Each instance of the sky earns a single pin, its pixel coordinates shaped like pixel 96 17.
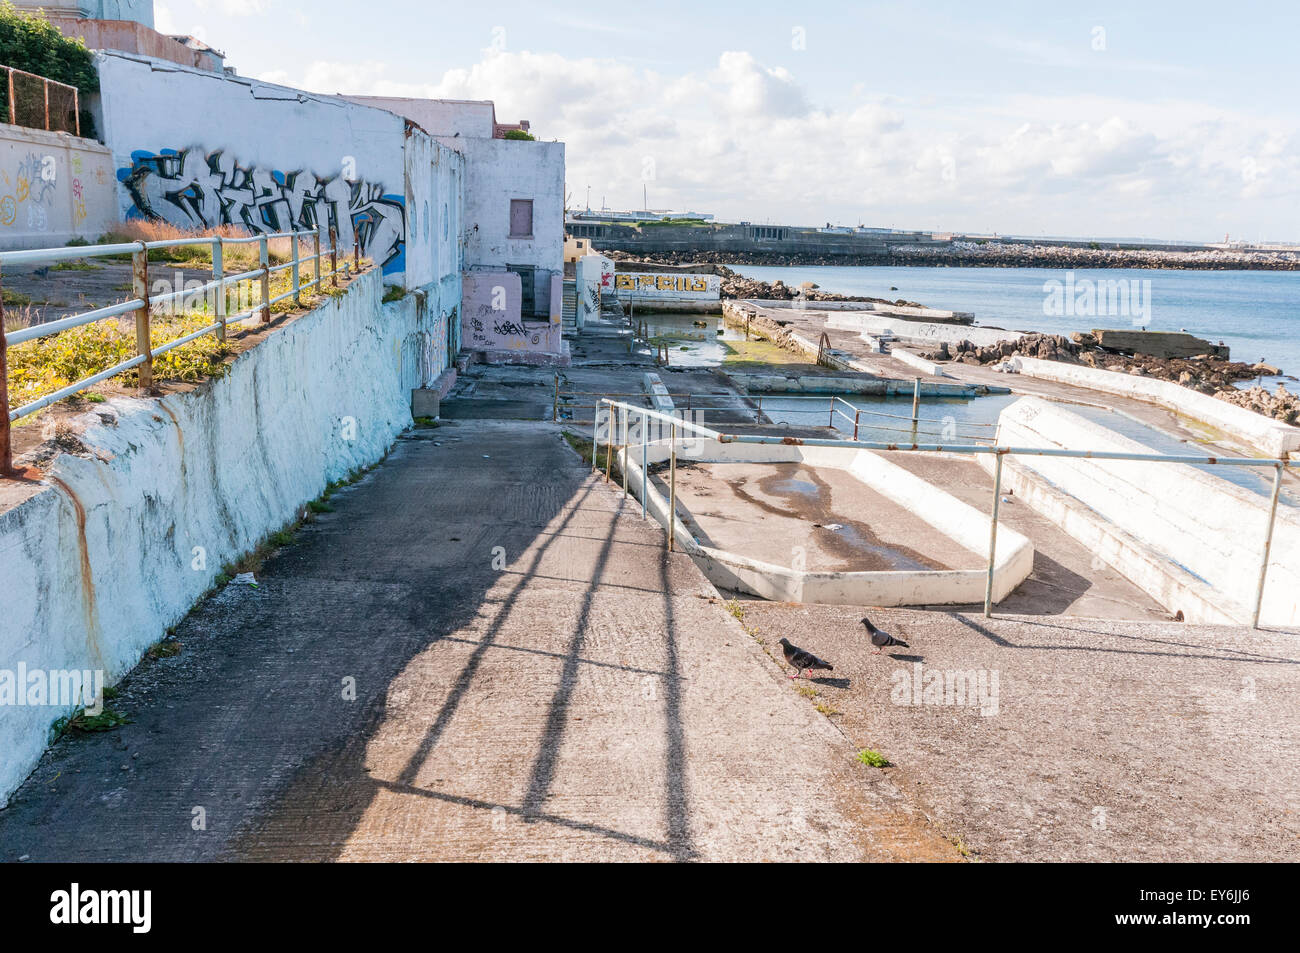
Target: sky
pixel 1147 119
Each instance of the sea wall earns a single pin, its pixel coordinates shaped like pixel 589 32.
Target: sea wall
pixel 1271 436
pixel 122 538
pixel 1197 523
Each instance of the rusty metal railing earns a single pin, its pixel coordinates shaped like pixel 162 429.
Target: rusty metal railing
pixel 42 107
pixel 142 305
pixel 677 426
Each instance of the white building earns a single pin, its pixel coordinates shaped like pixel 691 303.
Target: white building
pixel 514 220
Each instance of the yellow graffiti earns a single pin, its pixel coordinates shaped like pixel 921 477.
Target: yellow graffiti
pixel 79 211
pixel 661 282
pixel 8 210
pixel 24 187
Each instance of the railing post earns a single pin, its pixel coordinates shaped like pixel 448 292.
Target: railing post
pixel 356 250
pixel 47 105
pixel 644 468
pixel 13 102
pixel 993 536
pixel 624 446
pixel 857 415
pixel 334 257
pixel 264 257
pixel 555 407
pixel 609 442
pixel 219 275
pixel 297 275
pixel 140 288
pixel 76 108
pixel 831 422
pixel 916 407
pixel 595 436
pixel 672 484
pixel 316 239
pixel 1268 546
pixel 6 447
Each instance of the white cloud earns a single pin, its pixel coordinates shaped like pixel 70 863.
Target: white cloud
pixel 743 140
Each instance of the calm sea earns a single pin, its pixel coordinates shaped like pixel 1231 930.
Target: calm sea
pixel 1256 313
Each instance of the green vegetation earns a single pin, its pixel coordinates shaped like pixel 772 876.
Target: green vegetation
pixel 29 42
pixel 520 135
pixel 167 648
pixel 689 222
pixel 15 299
pixel 394 293
pixel 873 759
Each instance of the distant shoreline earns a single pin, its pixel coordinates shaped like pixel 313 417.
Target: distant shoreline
pixel 990 255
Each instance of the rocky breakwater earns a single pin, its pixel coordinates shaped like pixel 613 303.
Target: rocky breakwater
pixel 1204 373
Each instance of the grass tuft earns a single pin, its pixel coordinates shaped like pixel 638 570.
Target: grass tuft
pixel 873 759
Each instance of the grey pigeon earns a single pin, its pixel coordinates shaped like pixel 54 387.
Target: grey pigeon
pixel 802 660
pixel 882 639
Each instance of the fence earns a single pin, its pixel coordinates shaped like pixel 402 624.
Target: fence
pixel 853 415
pixel 142 305
pixel 614 427
pixel 39 103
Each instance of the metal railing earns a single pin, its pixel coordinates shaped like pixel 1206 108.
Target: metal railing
pixel 41 107
pixel 677 424
pixel 142 305
pixel 854 415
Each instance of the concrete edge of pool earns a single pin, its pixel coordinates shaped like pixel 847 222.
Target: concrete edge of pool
pixel 956 520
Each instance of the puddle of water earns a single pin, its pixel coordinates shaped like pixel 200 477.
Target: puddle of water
pixel 693 339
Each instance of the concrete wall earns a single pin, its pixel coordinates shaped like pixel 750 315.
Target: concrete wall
pixel 470 119
pixel 107 555
pixel 127 36
pixel 138 11
pixel 53 188
pixel 491 320
pixel 966 526
pixel 200 149
pixel 498 170
pixel 920 333
pixel 1211 528
pixel 1271 436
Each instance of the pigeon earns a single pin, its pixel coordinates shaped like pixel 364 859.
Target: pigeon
pixel 802 660
pixel 882 639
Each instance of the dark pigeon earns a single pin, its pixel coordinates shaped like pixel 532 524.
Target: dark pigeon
pixel 802 660
pixel 882 639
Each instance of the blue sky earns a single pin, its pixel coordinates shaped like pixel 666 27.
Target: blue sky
pixel 1108 119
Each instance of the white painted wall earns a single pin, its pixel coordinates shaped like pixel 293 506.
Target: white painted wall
pixel 53 188
pixel 1199 521
pixel 498 170
pixel 1271 436
pixel 473 119
pixel 149 106
pixel 218 467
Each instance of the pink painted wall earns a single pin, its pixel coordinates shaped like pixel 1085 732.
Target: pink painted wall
pixel 490 315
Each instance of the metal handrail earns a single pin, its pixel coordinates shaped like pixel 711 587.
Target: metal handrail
pixel 323 242
pixel 999 453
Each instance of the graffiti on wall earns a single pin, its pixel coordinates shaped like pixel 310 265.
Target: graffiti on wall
pixel 201 190
pixel 31 191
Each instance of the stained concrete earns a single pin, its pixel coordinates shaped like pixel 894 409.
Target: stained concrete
pixel 579 694
pixel 826 516
pixel 1112 741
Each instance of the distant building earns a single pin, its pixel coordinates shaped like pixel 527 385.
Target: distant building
pixel 125 26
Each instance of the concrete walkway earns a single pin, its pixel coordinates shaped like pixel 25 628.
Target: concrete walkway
pixel 535 679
